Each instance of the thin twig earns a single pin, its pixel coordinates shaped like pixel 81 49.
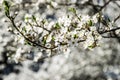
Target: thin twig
pixel 105 5
pixel 41 27
pixel 117 4
pixel 117 18
pixel 109 30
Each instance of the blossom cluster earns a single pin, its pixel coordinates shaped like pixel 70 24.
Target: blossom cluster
pixel 53 37
pixel 58 36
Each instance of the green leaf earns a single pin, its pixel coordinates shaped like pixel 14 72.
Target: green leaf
pixel 93 45
pixel 72 10
pixel 53 38
pixel 6 7
pixel 6 4
pixel 26 18
pixel 33 17
pixel 24 29
pixel 43 21
pixel 90 23
pixel 44 40
pixel 75 36
pixel 57 26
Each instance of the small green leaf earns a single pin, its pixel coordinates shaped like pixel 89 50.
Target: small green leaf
pixel 90 23
pixel 24 29
pixel 33 17
pixel 6 4
pixel 43 21
pixel 75 36
pixel 44 40
pixel 93 45
pixel 72 10
pixel 27 18
pixel 6 7
pixel 57 26
pixel 53 38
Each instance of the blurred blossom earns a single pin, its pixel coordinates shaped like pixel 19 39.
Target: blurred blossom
pixel 85 18
pixel 18 1
pixel 95 19
pixel 54 4
pixel 22 40
pixel 64 20
pixel 83 1
pixel 18 55
pixel 118 31
pixel 1 1
pixel 37 56
pixel 89 41
pixel 73 1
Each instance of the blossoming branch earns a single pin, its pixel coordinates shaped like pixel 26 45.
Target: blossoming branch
pixel 59 36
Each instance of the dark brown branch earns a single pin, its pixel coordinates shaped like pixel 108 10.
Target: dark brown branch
pixel 109 30
pixel 110 37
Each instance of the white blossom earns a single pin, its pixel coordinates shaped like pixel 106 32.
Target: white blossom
pixel 67 52
pixel 37 56
pixel 49 38
pixel 18 1
pixel 54 4
pixel 81 33
pixel 22 40
pixel 89 41
pixel 18 55
pixel 50 25
pixel 27 18
pixel 95 19
pixel 85 18
pixel 117 31
pixel 64 20
pixel 1 1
